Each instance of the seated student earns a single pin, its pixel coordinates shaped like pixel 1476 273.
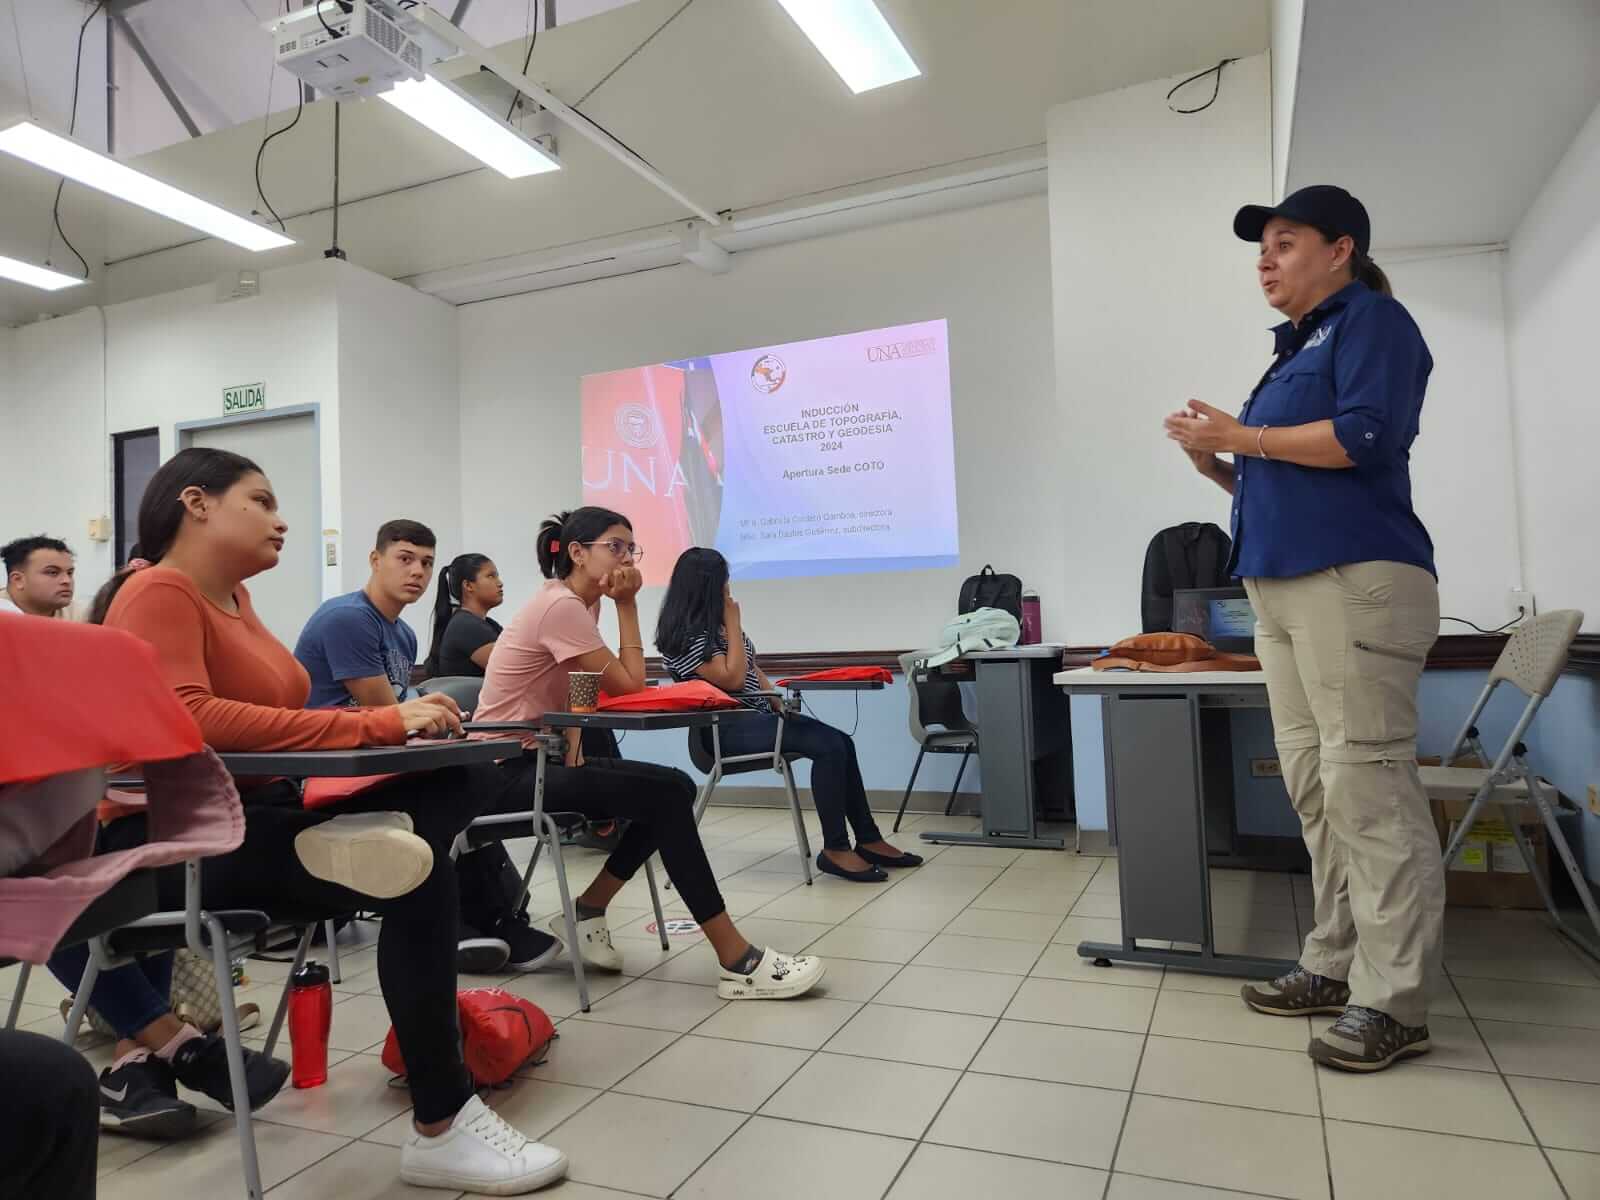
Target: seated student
pixel 586 555
pixel 700 634
pixel 208 522
pixel 48 1143
pixel 463 631
pixel 39 577
pixel 359 651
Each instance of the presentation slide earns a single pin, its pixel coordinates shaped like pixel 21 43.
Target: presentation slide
pixel 810 458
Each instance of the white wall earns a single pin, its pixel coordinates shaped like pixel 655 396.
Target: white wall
pixel 984 269
pixel 1288 20
pixel 400 422
pixel 1155 302
pixel 1551 266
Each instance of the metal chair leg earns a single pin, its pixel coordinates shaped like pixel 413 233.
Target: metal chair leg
pixel 569 911
pixel 331 936
pixel 956 786
pixel 655 903
pixel 16 996
pixel 80 999
pixel 218 951
pixel 910 783
pixel 302 948
pixel 800 839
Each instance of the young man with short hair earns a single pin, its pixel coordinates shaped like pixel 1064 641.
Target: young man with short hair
pixel 358 651
pixel 39 577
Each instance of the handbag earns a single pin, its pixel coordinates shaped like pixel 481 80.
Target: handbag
pixel 500 1031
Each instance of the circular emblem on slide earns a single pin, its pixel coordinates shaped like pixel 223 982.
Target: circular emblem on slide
pixel 636 425
pixel 768 374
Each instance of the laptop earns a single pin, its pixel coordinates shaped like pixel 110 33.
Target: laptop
pixel 1222 616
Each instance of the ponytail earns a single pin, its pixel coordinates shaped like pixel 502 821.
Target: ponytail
pixel 161 509
pixel 1370 273
pixel 560 530
pixel 463 569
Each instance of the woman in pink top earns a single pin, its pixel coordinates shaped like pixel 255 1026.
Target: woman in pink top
pixel 586 555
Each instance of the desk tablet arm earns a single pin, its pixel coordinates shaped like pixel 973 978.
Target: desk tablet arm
pixel 553 743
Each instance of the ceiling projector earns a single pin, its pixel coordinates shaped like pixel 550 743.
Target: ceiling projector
pixel 362 50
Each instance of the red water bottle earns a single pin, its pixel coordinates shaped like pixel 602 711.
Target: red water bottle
pixel 310 1022
pixel 1032 632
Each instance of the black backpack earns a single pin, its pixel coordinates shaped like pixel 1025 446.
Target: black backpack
pixel 988 590
pixel 1190 555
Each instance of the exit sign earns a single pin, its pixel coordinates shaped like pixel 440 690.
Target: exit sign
pixel 246 397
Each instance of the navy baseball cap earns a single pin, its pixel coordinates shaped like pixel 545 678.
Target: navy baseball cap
pixel 1332 210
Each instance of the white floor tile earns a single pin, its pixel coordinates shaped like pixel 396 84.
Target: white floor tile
pixel 1371 1161
pixel 948 1173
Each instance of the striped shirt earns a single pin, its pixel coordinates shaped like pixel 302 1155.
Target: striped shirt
pixel 701 650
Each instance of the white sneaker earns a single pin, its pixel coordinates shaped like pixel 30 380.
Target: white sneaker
pixel 776 977
pixel 480 1153
pixel 375 854
pixel 594 942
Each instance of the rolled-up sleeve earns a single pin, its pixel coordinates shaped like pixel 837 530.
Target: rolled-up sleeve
pixel 1380 369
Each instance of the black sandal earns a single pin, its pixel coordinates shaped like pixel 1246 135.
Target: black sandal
pixel 828 867
pixel 883 860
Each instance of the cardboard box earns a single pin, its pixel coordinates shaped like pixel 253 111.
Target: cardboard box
pixel 1488 872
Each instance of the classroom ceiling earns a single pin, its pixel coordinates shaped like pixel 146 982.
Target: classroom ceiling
pixel 1445 116
pixel 726 97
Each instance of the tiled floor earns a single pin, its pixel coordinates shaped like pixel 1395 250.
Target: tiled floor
pixel 959 1048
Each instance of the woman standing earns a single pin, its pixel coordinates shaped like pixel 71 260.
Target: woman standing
pixel 1340 573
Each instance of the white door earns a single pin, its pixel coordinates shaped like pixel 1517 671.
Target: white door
pixel 286 449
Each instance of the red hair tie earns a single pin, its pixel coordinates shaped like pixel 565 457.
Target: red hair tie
pixel 555 546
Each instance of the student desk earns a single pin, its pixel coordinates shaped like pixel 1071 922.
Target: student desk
pixel 421 754
pixel 1024 748
pixel 1164 778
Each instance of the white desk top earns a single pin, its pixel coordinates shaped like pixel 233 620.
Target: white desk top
pixel 1038 650
pixel 1088 679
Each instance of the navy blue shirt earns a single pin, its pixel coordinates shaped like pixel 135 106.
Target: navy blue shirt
pixel 1359 361
pixel 348 638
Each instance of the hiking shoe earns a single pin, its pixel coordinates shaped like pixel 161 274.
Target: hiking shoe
pixel 1364 1039
pixel 1297 994
pixel 376 854
pixel 478 952
pixel 479 1153
pixel 776 977
pixel 530 948
pixel 594 942
pixel 202 1064
pixel 139 1098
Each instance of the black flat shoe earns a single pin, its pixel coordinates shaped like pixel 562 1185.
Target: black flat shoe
pixel 828 867
pixel 883 860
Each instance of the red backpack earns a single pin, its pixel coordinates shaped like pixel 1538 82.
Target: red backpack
pixel 499 1032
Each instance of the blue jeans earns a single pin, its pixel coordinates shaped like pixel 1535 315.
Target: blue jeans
pixel 836 785
pixel 130 997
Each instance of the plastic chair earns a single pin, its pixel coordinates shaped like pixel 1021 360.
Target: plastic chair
pixel 1531 662
pixel 463 689
pixel 935 702
pixel 705 751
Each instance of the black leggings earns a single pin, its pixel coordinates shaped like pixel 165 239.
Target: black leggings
pixel 657 802
pixel 49 1119
pixel 417 937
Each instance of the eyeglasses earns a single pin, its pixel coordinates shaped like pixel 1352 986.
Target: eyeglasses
pixel 620 548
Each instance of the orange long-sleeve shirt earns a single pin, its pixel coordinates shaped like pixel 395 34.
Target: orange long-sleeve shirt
pixel 243 686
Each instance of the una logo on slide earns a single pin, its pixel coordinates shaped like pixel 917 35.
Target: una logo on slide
pixel 636 425
pixel 768 374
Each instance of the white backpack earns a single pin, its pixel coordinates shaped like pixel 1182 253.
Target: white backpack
pixel 980 629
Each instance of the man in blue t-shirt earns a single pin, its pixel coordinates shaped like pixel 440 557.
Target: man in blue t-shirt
pixel 356 648
pixel 358 651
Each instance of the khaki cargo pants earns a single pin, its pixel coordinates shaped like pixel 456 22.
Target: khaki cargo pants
pixel 1343 651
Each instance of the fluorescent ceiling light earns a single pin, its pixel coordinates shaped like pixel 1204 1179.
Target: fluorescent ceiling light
pixel 39 277
pixel 855 39
pixel 63 157
pixel 480 133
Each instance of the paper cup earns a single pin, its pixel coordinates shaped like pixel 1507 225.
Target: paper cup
pixel 583 691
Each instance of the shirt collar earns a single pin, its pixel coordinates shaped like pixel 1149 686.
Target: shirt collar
pixel 1288 337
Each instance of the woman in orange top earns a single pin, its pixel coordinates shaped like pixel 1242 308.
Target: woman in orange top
pixel 209 521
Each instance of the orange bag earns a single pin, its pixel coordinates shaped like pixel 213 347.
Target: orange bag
pixel 694 696
pixel 842 675
pixel 499 1032
pixel 323 790
pixel 1175 652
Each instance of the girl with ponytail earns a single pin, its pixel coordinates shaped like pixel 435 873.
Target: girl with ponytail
pixel 463 631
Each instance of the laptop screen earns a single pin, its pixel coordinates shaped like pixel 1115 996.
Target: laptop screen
pixel 1222 616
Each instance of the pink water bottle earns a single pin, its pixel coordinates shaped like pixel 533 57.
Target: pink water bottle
pixel 1031 625
pixel 310 1023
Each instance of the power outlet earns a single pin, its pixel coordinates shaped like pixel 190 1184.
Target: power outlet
pixel 1594 799
pixel 1520 602
pixel 1270 768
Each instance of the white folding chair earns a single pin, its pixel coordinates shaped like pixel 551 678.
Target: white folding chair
pixel 1531 662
